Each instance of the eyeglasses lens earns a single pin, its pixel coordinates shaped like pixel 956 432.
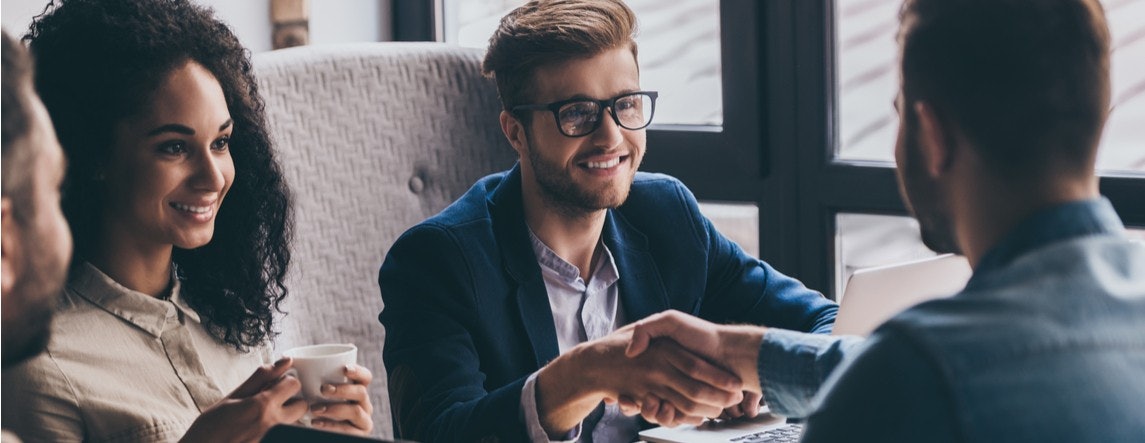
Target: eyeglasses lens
pixel 579 118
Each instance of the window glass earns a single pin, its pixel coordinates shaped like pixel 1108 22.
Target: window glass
pixel 867 76
pixel 679 51
pixel 736 221
pixel 1123 144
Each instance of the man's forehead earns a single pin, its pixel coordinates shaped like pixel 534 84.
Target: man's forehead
pixel 600 76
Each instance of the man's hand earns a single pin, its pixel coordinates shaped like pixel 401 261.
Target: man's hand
pixel 352 416
pixel 656 410
pixel 573 384
pixel 262 401
pixel 733 347
pixel 749 407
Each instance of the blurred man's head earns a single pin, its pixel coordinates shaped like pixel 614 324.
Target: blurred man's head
pixel 1022 84
pixel 37 244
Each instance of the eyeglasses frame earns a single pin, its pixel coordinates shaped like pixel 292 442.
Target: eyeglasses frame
pixel 555 108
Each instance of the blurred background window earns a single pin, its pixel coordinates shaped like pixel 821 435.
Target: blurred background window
pixel 867 79
pixel 679 51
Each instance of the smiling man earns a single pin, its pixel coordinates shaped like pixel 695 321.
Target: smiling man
pixel 504 312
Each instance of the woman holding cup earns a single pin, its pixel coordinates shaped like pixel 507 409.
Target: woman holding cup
pixel 181 220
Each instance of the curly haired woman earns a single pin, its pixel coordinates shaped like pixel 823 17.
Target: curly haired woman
pixel 182 223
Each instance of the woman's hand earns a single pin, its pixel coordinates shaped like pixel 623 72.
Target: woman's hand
pixel 262 401
pixel 352 416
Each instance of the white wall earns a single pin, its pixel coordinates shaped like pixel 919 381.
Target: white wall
pixel 341 21
pixel 16 15
pixel 331 21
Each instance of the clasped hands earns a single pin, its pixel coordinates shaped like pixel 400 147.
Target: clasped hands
pixel 268 398
pixel 716 364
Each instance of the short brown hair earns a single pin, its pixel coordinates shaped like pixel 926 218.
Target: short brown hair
pixel 1026 81
pixel 17 102
pixel 543 32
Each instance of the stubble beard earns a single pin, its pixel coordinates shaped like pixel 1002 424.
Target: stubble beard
pixel 561 193
pixel 924 199
pixel 38 290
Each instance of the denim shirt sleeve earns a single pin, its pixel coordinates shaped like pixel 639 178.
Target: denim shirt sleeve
pixel 794 365
pixel 888 391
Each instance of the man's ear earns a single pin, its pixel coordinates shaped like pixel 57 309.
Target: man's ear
pixel 9 249
pixel 514 130
pixel 938 149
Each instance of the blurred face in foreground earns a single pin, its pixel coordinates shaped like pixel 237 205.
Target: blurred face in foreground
pixel 37 247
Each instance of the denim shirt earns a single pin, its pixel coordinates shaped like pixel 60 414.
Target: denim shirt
pixel 1045 343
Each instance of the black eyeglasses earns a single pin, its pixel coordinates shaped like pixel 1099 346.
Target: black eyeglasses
pixel 578 117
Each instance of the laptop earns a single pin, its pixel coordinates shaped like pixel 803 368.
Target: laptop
pixel 765 427
pixel 874 295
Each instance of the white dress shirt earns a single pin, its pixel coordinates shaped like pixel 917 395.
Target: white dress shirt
pixel 582 311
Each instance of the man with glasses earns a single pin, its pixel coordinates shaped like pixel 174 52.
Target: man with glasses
pixel 502 312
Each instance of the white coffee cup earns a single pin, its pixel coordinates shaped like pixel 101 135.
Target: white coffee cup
pixel 316 365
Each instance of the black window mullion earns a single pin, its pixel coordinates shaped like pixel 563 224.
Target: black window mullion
pixel 415 21
pixel 779 227
pixel 721 162
pixel 815 86
pixel 1127 193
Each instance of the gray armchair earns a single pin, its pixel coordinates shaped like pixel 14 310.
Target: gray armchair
pixel 374 138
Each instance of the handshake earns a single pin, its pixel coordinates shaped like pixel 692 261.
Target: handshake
pixel 671 368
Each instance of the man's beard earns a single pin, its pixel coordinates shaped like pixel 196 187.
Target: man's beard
pixel 27 333
pixel 923 197
pixel 563 194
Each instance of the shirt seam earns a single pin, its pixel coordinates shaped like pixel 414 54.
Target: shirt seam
pixel 75 398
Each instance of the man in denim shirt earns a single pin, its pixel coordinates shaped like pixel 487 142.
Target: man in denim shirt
pixel 1001 110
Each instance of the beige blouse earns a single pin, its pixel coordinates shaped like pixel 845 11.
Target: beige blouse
pixel 121 367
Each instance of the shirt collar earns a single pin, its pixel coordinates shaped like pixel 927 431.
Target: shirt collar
pixel 146 312
pixel 605 269
pixel 1057 223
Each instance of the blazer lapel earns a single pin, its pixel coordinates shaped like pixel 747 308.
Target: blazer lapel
pixel 521 265
pixel 641 289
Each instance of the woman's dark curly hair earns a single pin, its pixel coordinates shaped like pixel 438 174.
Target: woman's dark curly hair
pixel 100 61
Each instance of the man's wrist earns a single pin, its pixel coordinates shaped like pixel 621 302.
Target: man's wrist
pixel 740 350
pixel 565 388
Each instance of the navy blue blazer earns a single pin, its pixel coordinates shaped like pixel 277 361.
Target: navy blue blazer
pixel 467 316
